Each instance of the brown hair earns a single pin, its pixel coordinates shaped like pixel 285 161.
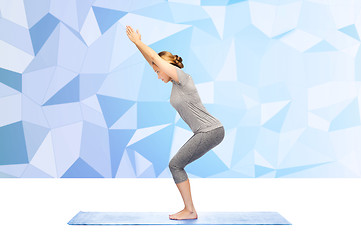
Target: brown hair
pixel 172 59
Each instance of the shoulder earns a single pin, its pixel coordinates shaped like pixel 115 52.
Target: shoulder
pixel 182 77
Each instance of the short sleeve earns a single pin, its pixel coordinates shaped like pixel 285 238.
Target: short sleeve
pixel 182 77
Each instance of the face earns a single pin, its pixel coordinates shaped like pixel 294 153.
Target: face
pixel 161 75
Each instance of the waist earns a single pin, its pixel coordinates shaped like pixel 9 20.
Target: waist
pixel 210 128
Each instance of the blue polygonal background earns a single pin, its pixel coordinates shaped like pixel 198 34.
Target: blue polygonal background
pixel 77 98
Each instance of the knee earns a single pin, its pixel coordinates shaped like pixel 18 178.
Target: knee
pixel 173 165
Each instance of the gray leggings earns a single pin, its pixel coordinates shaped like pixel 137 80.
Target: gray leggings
pixel 198 145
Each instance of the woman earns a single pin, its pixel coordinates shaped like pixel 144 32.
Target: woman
pixel 208 131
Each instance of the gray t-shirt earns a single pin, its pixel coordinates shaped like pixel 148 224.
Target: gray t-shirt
pixel 185 99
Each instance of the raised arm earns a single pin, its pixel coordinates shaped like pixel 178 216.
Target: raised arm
pixel 133 37
pixel 150 55
pixel 145 56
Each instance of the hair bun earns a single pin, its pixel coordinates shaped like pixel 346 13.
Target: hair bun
pixel 179 59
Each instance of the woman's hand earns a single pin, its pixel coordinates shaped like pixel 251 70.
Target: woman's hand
pixel 132 35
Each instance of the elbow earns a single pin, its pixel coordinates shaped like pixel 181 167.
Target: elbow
pixel 153 57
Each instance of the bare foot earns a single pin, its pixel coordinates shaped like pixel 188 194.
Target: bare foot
pixel 175 214
pixel 185 214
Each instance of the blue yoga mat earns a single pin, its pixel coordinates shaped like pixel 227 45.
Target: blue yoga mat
pixel 162 218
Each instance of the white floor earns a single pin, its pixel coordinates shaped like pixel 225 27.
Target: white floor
pixel 317 208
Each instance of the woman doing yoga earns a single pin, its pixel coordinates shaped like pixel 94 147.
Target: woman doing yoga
pixel 207 130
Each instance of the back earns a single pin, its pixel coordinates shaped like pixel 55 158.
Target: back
pixel 186 101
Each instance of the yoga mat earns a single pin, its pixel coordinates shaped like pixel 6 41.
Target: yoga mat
pixel 162 218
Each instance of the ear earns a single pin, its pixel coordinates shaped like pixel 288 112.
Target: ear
pixel 166 67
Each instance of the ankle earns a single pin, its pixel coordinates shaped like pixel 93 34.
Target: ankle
pixel 190 209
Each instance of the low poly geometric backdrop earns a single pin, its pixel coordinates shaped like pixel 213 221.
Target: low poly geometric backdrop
pixel 78 100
